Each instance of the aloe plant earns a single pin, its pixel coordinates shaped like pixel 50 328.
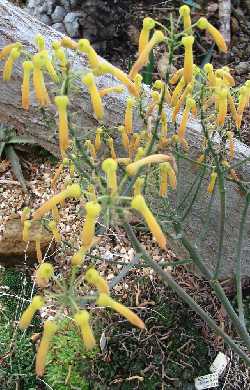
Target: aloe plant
pixel 9 142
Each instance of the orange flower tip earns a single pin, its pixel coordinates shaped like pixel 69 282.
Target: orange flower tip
pixel 68 43
pixel 202 23
pixel 62 102
pixel 93 209
pixel 109 165
pixel 184 10
pixel 73 191
pixel 40 41
pixel 45 271
pixel 187 41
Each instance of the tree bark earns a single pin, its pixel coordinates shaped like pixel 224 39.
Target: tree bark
pixel 16 25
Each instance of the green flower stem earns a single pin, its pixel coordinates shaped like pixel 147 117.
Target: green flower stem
pixel 170 282
pixel 238 262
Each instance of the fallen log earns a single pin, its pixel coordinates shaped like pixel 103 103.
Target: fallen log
pixel 16 25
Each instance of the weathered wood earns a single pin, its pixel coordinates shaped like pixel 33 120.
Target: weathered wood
pixel 16 25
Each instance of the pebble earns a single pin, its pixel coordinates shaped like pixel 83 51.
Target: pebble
pixel 242 68
pixel 72 24
pixel 58 14
pixel 59 27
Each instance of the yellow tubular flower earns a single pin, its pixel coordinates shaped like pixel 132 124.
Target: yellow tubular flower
pixel 227 77
pixel 98 141
pixel 124 136
pixel 93 210
pixel 51 70
pixel 142 60
pixel 8 66
pixel 84 46
pixel 156 98
pixel 61 57
pixel 43 274
pixel 187 91
pixel 176 76
pixel 112 148
pixel 138 203
pixel 26 318
pixel 188 58
pixel 203 24
pixel 177 91
pixel 109 166
pixel 243 101
pixel 55 214
pixel 138 82
pixel 91 148
pixel 128 121
pixel 138 186
pixel 40 42
pixel 82 319
pixel 232 107
pixel 26 230
pixel 72 191
pixel 39 254
pixel 163 180
pixel 222 106
pixel 78 257
pixel 27 69
pixel 7 49
pixel 105 67
pixel 148 25
pixel 96 100
pixel 230 137
pixel 135 142
pixel 68 43
pixel 52 227
pixel 212 182
pixel 182 128
pixel 38 80
pixel 139 154
pixel 49 330
pixel 25 214
pixel 62 104
pixel 93 277
pixel 106 91
pixel 105 300
pixel 184 12
pixel 133 168
pixel 208 69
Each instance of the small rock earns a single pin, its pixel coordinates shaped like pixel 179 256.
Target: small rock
pixel 45 19
pixel 59 14
pixel 59 27
pixel 242 68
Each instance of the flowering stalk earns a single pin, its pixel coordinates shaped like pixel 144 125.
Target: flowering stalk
pixel 167 172
pixel 49 330
pixel 109 166
pixel 26 318
pixel 72 191
pixel 105 300
pixel 188 58
pixel 148 25
pixel 138 203
pixel 93 210
pixel 82 319
pixel 93 277
pixel 128 121
pixel 84 46
pixel 96 100
pixel 187 91
pixel 203 24
pixel 43 274
pixel 177 91
pixel 27 69
pixel 8 66
pixel 142 60
pixel 133 168
pixel 62 104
